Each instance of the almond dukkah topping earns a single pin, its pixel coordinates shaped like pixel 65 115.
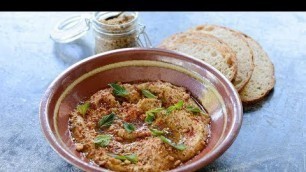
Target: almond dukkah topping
pixel 127 125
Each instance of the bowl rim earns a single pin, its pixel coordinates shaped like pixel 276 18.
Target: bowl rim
pixel 209 158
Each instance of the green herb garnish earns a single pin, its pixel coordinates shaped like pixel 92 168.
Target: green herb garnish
pixel 180 146
pixel 82 109
pixel 149 118
pixel 102 140
pixel 118 90
pixel 107 120
pixel 156 110
pixel 148 94
pixel 156 132
pixel 132 157
pixel 129 127
pixel 151 115
pixel 176 106
pixel 168 141
pixel 193 109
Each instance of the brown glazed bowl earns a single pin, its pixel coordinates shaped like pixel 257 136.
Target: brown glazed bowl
pixel 86 77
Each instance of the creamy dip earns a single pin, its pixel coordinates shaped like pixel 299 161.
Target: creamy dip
pixel 149 126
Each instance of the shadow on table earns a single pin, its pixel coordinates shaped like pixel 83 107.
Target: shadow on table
pixel 72 52
pixel 258 105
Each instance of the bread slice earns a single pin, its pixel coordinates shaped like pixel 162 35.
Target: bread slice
pixel 214 54
pixel 262 80
pixel 170 42
pixel 194 35
pixel 238 43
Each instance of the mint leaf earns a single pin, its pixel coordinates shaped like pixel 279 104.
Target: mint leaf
pixel 179 104
pixel 107 120
pixel 180 147
pixel 170 109
pixel 156 132
pixel 102 140
pixel 82 109
pixel 151 115
pixel 156 110
pixel 148 94
pixel 118 90
pixel 129 127
pixel 132 157
pixel 193 109
pixel 176 106
pixel 169 142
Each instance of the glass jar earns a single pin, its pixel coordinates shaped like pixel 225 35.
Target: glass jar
pixel 121 32
pixel 108 35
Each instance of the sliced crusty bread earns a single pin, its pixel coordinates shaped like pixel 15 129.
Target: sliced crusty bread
pixel 262 80
pixel 214 54
pixel 238 43
pixel 194 35
pixel 171 41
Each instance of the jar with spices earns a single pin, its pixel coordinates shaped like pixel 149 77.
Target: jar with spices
pixel 111 30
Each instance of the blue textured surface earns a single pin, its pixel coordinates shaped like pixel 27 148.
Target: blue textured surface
pixel 272 138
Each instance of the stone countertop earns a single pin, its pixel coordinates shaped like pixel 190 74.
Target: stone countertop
pixel 272 137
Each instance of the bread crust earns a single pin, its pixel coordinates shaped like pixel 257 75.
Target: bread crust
pixel 244 62
pixel 247 99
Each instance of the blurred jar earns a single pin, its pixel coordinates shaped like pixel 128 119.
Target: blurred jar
pixel 111 30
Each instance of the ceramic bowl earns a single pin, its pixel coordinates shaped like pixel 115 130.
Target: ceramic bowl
pixel 86 77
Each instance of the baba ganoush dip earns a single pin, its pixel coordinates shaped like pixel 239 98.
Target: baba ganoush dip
pixel 149 126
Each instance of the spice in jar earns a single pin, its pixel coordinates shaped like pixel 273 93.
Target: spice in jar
pixel 117 20
pixel 116 32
